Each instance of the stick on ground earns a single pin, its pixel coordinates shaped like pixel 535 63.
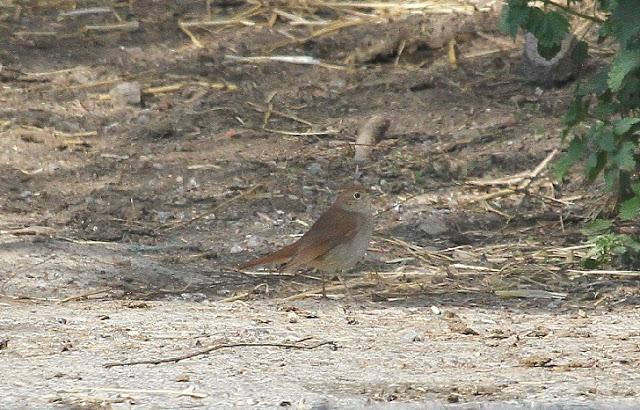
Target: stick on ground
pixel 221 346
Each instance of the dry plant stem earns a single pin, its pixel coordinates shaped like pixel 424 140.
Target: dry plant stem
pixel 213 348
pixel 294 133
pixel 128 26
pixel 522 184
pixel 574 12
pixel 261 109
pixel 185 392
pixel 82 295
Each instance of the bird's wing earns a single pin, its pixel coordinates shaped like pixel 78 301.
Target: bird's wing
pixel 334 227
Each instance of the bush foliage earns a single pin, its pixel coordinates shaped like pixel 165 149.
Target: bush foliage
pixel 608 104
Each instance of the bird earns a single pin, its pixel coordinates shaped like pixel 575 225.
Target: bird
pixel 335 243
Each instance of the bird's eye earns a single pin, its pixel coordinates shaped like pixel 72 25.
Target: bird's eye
pixel 356 195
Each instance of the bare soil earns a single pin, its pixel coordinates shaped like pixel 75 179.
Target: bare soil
pixel 120 225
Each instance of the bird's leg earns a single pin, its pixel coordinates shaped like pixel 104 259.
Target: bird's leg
pixel 346 288
pixel 324 289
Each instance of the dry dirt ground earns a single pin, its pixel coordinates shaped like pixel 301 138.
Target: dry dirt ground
pixel 120 224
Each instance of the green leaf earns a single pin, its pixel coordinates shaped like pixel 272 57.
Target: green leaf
pixel 622 126
pixel 514 15
pixel 629 93
pixel 596 227
pixel 611 175
pixel 604 109
pixel 576 112
pixel 580 52
pixel 625 158
pixel 574 153
pixel 595 164
pixel 630 243
pixel 624 62
pixel 549 28
pixel 629 209
pixel 603 136
pixel 605 31
pixel 590 263
pixel 625 21
pixel 598 83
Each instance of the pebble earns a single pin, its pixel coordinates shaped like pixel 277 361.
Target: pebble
pixel 411 335
pixel 254 241
pixel 127 93
pixel 314 168
pixel 433 225
pixel 292 317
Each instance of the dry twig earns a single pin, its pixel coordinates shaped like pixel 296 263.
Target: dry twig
pixel 213 348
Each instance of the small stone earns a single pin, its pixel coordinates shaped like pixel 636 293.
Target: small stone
pixel 453 398
pixel 254 241
pixel 194 297
pixel 292 317
pixel 314 168
pixel 192 184
pixel 412 335
pixel 436 310
pixel 236 249
pixel 182 378
pixel 163 216
pixel 433 225
pixel 127 93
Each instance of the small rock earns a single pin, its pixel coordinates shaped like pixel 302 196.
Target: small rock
pixel 292 317
pixel 182 378
pixel 127 93
pixel 314 168
pixel 164 216
pixel 433 225
pixel 254 241
pixel 192 184
pixel 436 310
pixel 535 361
pixel 412 336
pixel 194 297
pixel 236 249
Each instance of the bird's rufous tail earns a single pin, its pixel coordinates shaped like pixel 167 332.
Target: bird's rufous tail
pixel 279 256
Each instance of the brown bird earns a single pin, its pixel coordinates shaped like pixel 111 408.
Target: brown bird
pixel 335 242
